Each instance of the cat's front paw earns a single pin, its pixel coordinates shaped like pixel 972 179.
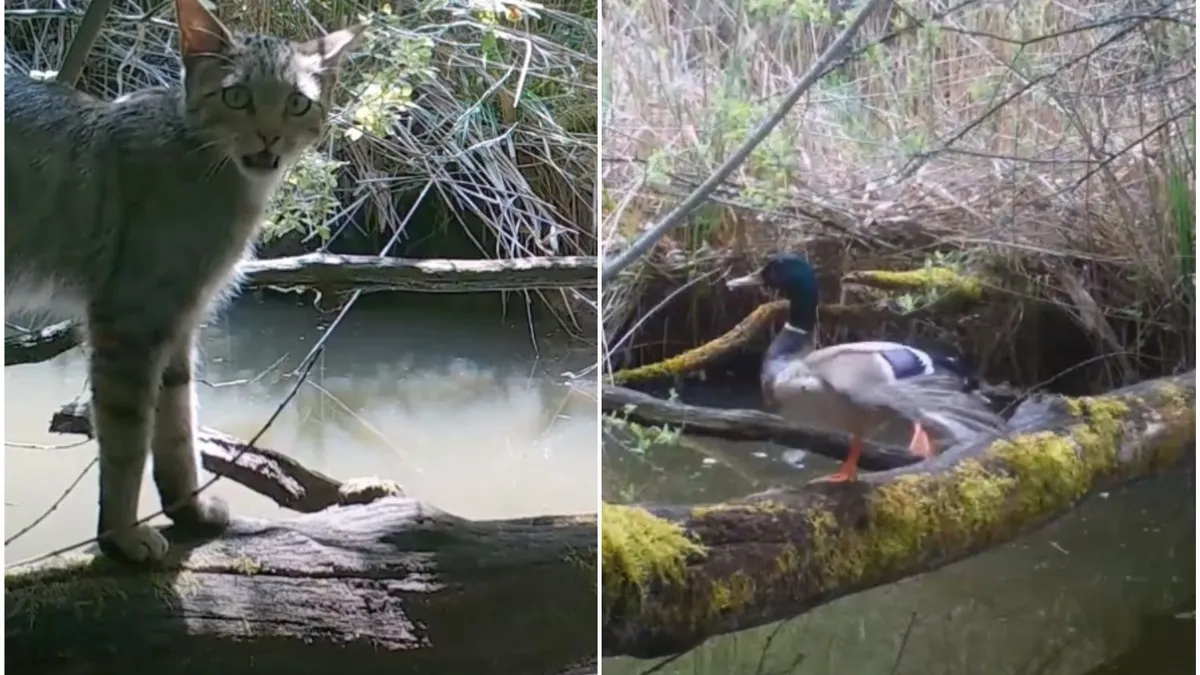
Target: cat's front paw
pixel 137 544
pixel 202 514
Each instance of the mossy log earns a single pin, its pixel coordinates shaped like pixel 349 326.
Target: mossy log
pixel 932 279
pixel 735 338
pixel 673 576
pixel 371 582
pixel 956 292
pixel 334 273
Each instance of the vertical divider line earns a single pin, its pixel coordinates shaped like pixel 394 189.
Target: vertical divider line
pixel 598 225
pixel 3 426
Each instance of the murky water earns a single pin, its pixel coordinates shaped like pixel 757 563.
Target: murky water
pixel 442 394
pixel 1061 601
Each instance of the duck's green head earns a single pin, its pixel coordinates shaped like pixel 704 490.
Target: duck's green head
pixel 792 276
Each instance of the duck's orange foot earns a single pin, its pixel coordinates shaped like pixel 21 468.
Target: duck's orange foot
pixel 842 476
pixel 921 444
pixel 849 469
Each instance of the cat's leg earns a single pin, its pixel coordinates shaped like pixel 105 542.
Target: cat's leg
pixel 176 471
pixel 126 365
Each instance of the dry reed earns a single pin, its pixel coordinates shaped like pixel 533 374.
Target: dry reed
pixel 1046 149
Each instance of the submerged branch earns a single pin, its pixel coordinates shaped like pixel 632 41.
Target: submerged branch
pixel 270 473
pixel 674 576
pixel 741 425
pixel 331 273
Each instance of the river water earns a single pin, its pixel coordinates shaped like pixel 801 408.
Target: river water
pixel 443 394
pixel 1062 601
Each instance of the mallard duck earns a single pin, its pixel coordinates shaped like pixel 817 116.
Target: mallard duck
pixel 888 393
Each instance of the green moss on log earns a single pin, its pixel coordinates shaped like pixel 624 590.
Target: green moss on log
pixel 693 359
pixel 85 582
pixel 639 549
pixel 932 279
pixel 980 501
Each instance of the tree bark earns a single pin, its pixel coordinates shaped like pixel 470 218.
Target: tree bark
pixel 40 345
pixel 673 576
pixel 373 273
pixel 334 273
pixel 393 586
pixel 368 581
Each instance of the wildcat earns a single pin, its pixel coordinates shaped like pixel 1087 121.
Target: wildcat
pixel 133 216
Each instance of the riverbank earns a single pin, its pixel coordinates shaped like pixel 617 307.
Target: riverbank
pixel 1065 198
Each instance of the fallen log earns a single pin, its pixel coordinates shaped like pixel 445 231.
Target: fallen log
pixel 367 580
pixel 674 576
pixel 373 273
pixel 394 586
pixel 335 273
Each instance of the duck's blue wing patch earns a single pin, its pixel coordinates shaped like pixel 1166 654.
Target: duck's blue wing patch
pixel 906 362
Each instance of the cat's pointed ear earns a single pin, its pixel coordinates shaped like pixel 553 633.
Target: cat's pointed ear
pixel 332 49
pixel 200 33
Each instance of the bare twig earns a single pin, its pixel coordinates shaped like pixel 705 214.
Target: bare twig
pixel 81 45
pixel 54 506
pixel 681 212
pixel 22 14
pixel 248 380
pixel 167 507
pixel 912 620
pixel 39 446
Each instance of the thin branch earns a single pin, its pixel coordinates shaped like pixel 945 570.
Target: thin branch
pixel 684 209
pixel 920 159
pixel 81 44
pixel 183 500
pixel 54 506
pixel 53 14
pixel 1130 146
pixel 912 620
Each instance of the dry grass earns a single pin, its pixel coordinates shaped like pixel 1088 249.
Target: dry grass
pixel 1046 147
pixel 478 117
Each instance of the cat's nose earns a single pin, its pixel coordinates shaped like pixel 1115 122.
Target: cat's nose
pixel 269 140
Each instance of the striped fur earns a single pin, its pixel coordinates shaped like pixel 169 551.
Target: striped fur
pixel 133 215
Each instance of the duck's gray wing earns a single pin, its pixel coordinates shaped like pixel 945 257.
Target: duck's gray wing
pixel 935 400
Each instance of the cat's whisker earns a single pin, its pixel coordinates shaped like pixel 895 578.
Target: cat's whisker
pixel 203 147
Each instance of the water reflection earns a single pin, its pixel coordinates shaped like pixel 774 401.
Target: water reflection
pixel 459 405
pixel 1062 601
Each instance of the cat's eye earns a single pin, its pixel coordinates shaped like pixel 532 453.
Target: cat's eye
pixel 237 97
pixel 298 104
